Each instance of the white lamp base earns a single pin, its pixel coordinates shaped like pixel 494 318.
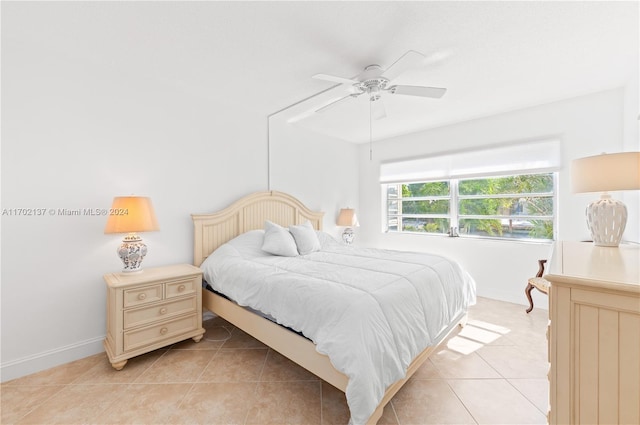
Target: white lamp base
pixel 347 235
pixel 606 219
pixel 132 252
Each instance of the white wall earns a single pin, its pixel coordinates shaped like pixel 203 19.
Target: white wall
pixel 75 136
pixel 631 122
pixel 586 125
pixel 79 129
pixel 320 171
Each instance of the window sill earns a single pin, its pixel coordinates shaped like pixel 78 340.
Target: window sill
pixel 477 238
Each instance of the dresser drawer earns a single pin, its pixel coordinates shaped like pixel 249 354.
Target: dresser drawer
pixel 165 330
pixel 143 295
pixel 150 314
pixel 179 288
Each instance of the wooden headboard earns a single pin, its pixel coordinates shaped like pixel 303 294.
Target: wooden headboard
pixel 248 213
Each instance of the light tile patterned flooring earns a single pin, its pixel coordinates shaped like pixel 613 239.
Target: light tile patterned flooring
pixel 492 372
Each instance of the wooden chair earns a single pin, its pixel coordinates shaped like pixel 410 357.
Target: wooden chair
pixel 537 282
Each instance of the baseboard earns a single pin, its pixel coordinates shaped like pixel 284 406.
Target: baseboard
pixel 38 362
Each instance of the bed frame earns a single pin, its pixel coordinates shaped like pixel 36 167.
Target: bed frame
pixel 250 213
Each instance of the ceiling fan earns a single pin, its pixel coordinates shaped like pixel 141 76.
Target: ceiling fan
pixel 375 82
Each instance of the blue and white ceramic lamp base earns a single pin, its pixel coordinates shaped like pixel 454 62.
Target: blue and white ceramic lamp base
pixel 132 252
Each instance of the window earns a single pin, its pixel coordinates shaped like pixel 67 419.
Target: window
pixel 519 206
pixel 503 191
pixel 419 207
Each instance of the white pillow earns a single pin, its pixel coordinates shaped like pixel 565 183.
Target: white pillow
pixel 278 241
pixel 306 238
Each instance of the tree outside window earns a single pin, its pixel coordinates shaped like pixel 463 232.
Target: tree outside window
pixel 510 207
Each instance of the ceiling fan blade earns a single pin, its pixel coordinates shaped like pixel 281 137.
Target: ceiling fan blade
pixel 378 110
pixel 410 59
pixel 334 79
pixel 334 103
pixel 436 57
pixel 436 92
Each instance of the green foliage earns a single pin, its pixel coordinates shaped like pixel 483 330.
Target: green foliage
pixel 425 189
pixel 542 229
pixel 495 205
pixel 528 183
pixel 432 228
pixel 431 206
pixel 426 225
pixel 490 227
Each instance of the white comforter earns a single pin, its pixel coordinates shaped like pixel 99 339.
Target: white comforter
pixel 371 311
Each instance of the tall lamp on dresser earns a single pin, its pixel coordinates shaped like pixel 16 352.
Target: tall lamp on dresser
pixel 606 217
pixel 594 309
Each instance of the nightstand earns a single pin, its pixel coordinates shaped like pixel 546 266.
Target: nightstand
pixel 151 309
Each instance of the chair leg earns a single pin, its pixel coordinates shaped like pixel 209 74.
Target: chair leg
pixel 527 292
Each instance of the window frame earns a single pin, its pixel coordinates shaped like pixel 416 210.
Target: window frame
pixel 454 215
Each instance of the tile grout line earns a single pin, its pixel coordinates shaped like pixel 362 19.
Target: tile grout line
pixel 516 346
pixel 152 363
pixel 255 389
pixel 63 387
pixel 461 402
pixel 37 406
pixel 393 409
pixel 217 350
pixel 524 395
pixel 197 379
pixel 321 403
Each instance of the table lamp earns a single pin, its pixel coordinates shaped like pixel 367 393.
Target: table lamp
pixel 347 217
pixel 131 214
pixel 606 217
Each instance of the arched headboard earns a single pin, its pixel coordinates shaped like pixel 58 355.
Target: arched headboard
pixel 248 213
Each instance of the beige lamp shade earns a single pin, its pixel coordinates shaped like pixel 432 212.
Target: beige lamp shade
pixel 347 217
pixel 606 172
pixel 130 214
pixel 606 217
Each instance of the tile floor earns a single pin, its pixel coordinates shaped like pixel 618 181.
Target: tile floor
pixel 492 372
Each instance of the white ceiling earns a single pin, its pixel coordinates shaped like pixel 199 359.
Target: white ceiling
pixel 491 56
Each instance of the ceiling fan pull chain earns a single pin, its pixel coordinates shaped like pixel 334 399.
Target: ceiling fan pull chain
pixel 370 133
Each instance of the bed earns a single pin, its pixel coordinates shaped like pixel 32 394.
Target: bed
pixel 224 238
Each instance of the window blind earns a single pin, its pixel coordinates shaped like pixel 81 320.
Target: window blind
pixel 532 157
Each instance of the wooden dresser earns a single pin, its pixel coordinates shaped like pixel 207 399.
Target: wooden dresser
pixel 594 334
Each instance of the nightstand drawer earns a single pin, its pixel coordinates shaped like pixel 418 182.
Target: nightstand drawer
pixel 180 288
pixel 153 334
pixel 144 295
pixel 146 315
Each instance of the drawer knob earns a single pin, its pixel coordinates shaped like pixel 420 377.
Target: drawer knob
pixel 163 331
pixel 142 296
pixel 181 288
pixel 163 310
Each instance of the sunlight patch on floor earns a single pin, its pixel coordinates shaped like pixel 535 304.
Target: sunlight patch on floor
pixel 463 345
pixel 489 326
pixel 474 336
